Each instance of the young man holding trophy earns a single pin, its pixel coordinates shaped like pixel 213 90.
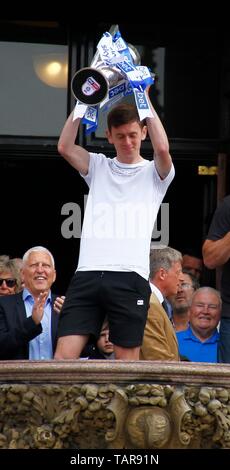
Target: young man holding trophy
pixel 125 193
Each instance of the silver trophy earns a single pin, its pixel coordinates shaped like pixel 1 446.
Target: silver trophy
pixel 90 85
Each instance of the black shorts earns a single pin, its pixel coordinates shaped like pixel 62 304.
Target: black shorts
pixel 121 296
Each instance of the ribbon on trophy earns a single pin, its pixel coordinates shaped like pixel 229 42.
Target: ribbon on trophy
pixel 114 76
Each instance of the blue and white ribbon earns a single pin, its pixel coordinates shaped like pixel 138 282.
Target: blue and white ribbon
pixel 90 119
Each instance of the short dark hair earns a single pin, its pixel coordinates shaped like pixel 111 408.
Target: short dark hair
pixel 194 252
pixel 195 282
pixel 123 114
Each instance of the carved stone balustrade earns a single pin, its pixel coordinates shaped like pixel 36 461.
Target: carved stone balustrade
pixel 114 404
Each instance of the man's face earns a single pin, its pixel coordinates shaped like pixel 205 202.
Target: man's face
pixel 204 313
pixel 172 278
pixel 182 300
pixel 127 140
pixel 193 265
pixel 38 272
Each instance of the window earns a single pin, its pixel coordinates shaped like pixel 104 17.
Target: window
pixel 33 88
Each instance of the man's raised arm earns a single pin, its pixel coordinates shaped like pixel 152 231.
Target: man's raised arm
pixel 77 156
pixel 160 144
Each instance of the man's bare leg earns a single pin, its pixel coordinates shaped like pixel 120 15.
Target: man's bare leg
pixel 70 347
pixel 129 354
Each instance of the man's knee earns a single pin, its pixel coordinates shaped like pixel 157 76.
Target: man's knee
pixel 70 347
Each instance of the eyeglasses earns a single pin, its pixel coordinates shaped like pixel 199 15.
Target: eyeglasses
pixel 185 285
pixel 9 282
pixel 211 307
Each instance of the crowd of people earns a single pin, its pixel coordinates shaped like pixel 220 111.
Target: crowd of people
pixel 182 322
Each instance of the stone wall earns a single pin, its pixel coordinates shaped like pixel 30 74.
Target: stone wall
pixel 114 404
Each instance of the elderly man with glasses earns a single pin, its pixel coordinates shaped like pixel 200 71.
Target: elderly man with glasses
pixel 199 343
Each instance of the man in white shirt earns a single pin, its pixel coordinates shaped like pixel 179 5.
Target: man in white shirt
pixel 113 268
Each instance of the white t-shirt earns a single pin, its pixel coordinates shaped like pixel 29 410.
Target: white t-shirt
pixel 121 210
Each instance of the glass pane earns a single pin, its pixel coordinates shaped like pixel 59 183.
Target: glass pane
pixel 33 88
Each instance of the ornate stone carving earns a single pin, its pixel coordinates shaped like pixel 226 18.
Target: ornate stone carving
pixel 51 416
pixel 155 425
pixel 209 422
pixel 127 414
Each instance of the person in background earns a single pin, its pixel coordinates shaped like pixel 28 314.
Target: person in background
pixel 160 342
pixel 28 323
pixel 4 258
pixel 199 343
pixel 19 264
pixel 216 253
pixel 181 301
pixel 102 348
pixel 10 281
pixel 193 263
pixel 112 277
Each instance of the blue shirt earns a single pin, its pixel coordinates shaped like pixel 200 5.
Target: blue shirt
pixel 196 350
pixel 41 346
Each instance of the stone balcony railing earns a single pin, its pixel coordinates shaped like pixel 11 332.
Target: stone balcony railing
pixel 114 404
